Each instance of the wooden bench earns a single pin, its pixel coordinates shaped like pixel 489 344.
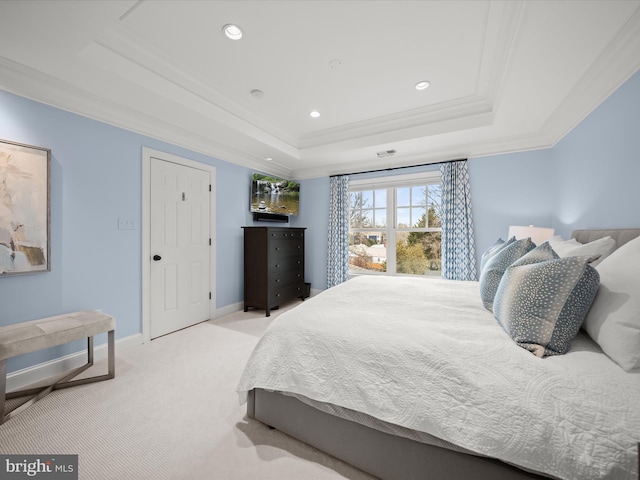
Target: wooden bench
pixel 26 337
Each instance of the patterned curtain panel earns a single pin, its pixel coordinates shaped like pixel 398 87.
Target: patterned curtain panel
pixel 338 255
pixel 458 243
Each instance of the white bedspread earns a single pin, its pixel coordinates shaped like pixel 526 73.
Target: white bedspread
pixel 424 354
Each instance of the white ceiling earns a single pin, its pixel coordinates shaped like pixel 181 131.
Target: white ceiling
pixel 505 75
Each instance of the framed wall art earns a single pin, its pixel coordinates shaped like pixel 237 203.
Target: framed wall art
pixel 25 221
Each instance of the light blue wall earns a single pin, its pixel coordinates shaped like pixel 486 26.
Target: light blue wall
pixel 510 189
pixel 96 178
pixel 596 167
pixel 314 216
pixel 588 180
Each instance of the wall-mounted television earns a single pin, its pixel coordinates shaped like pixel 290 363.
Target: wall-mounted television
pixel 274 195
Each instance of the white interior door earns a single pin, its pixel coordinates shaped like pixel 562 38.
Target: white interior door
pixel 179 246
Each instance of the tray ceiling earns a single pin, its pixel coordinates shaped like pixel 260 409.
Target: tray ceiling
pixel 504 76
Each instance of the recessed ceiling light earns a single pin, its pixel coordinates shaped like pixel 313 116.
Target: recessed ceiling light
pixel 315 114
pixel 232 31
pixel 422 85
pixel 268 159
pixel 257 93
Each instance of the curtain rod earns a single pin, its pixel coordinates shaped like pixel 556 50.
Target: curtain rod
pixel 398 168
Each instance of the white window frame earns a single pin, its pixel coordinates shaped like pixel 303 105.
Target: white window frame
pixel 391 183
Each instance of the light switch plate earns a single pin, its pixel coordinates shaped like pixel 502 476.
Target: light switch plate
pixel 127 224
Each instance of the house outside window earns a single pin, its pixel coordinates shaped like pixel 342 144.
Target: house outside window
pixel 395 225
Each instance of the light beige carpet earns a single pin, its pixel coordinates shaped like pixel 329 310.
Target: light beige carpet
pixel 171 413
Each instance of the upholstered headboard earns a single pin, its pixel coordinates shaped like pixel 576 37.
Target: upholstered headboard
pixel 620 235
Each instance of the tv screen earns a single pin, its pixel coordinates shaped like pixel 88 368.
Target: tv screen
pixel 274 195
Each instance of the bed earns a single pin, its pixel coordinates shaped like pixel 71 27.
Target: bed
pixel 413 378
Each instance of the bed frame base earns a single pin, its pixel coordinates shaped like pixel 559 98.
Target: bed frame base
pixel 380 454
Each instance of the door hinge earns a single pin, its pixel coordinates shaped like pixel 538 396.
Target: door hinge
pixel 209 295
pixel 209 242
pixel 209 187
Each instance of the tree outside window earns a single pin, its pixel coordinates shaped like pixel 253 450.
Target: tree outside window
pixel 406 241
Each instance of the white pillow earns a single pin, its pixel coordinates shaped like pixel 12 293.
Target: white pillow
pixel 561 246
pixel 555 238
pixel 613 321
pixel 572 248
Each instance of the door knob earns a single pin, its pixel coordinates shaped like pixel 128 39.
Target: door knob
pixel 157 257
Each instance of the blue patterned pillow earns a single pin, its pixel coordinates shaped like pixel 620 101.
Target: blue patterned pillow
pixel 492 250
pixel 542 300
pixel 496 265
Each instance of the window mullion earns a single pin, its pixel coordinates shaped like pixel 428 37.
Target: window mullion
pixel 391 231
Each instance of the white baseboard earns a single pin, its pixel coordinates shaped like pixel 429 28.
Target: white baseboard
pixel 234 307
pixel 27 376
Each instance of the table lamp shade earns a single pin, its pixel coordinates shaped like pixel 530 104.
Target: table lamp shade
pixel 537 234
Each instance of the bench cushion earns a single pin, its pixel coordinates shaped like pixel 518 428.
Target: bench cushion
pixel 26 337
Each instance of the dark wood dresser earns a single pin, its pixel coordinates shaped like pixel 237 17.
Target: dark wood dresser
pixel 273 266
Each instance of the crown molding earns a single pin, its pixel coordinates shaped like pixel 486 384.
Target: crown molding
pixel 436 119
pixel 500 146
pixel 615 65
pixel 499 47
pixel 44 88
pixel 136 50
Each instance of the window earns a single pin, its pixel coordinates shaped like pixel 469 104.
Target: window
pixel 395 225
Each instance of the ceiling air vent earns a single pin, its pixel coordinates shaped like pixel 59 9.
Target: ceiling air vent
pixel 386 153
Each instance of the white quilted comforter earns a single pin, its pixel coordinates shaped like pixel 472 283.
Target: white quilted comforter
pixel 424 354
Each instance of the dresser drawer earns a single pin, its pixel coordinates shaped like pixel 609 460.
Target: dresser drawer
pixel 285 293
pixel 286 246
pixel 286 233
pixel 280 279
pixel 284 264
